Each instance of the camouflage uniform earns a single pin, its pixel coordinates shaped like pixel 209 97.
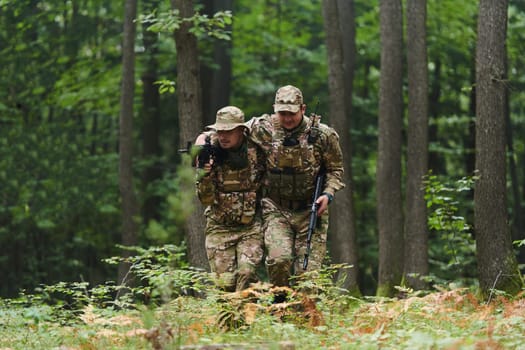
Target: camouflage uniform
pixel 231 192
pixel 294 158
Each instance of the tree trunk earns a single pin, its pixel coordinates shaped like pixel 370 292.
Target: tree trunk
pixel 416 229
pixel 518 231
pixel 435 160
pixel 127 193
pixel 469 142
pixel 343 240
pixel 190 121
pixel 216 81
pixel 151 120
pixel 388 177
pixel 497 264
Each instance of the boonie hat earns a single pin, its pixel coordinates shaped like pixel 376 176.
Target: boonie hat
pixel 288 98
pixel 228 118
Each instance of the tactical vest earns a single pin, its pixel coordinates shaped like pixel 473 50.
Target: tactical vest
pixel 293 163
pixel 237 190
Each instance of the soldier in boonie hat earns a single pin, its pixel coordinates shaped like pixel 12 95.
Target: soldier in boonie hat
pixel 229 188
pixel 227 118
pixel 288 98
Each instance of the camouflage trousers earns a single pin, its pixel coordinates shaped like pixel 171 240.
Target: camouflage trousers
pixel 285 234
pixel 234 252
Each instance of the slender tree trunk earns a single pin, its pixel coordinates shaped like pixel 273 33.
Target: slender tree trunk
pixel 518 231
pixel 435 161
pixel 94 135
pixel 151 119
pixel 190 121
pixel 497 264
pixel 388 177
pixel 416 229
pixel 127 193
pixel 216 81
pixel 470 140
pixel 343 240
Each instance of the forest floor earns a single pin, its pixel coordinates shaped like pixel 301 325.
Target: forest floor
pixel 253 319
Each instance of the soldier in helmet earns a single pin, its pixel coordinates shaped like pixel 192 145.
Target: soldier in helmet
pixel 230 189
pixel 297 148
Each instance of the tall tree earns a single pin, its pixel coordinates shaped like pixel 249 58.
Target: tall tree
pixel 340 42
pixel 517 221
pixel 416 229
pixel 498 268
pixel 217 74
pixel 190 118
pixel 127 192
pixel 151 118
pixel 388 176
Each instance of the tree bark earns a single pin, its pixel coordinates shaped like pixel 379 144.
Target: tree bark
pixel 416 229
pixel 436 162
pixel 388 177
pixel 497 264
pixel 127 192
pixel 340 30
pixel 518 231
pixel 190 121
pixel 216 81
pixel 151 120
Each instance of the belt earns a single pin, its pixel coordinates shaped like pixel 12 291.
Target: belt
pixel 291 204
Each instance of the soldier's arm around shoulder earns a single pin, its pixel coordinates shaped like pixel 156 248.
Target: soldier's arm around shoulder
pixel 260 130
pixel 332 157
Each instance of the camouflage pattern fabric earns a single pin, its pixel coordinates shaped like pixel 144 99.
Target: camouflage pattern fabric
pixel 293 162
pixel 234 252
pixel 232 193
pixel 285 241
pixel 234 239
pixel 302 158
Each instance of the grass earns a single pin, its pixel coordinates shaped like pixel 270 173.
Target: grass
pixel 446 319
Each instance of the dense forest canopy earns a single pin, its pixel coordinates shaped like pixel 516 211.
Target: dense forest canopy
pixel 60 73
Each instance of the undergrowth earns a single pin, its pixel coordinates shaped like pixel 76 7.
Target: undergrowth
pixel 171 306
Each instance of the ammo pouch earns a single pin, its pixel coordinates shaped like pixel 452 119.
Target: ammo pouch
pixel 289 185
pixel 233 208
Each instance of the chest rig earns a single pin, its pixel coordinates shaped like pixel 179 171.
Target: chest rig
pixel 239 171
pixel 238 182
pixel 294 162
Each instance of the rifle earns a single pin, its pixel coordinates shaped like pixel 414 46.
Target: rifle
pixel 319 180
pixel 206 152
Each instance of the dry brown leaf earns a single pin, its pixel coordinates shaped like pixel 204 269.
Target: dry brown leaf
pixel 123 320
pixel 107 333
pixel 314 317
pixel 88 315
pixel 250 312
pixel 136 332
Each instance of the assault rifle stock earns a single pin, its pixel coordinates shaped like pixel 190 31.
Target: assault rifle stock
pixel 319 181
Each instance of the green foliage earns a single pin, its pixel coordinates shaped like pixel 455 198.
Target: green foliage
pixel 54 191
pixel 452 247
pixel 201 24
pixel 272 48
pixel 60 65
pixel 442 319
pixel 162 273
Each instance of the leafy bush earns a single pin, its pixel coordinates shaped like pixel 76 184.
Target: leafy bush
pixel 452 250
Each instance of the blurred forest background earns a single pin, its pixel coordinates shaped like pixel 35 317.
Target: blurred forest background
pixel 61 67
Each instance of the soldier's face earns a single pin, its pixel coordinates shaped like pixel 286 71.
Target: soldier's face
pixel 290 120
pixel 231 139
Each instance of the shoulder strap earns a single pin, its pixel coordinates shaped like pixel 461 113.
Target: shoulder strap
pixel 313 130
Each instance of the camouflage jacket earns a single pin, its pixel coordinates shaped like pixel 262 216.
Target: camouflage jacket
pixel 232 192
pixel 294 160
